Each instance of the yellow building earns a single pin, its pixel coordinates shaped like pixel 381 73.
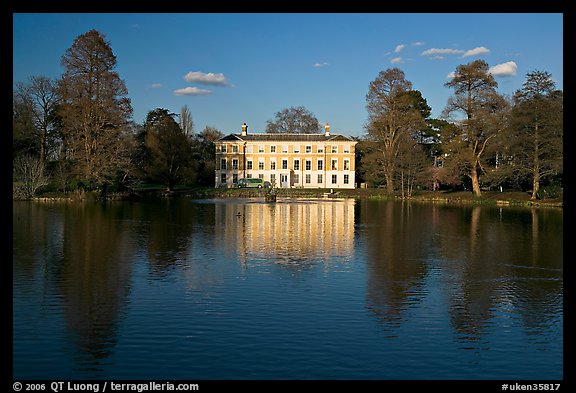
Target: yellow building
pixel 287 160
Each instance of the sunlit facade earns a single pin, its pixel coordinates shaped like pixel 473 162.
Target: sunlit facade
pixel 287 160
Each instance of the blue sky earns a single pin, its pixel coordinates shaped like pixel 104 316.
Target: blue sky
pixel 235 68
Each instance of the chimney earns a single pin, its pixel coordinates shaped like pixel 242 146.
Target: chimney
pixel 327 128
pixel 244 129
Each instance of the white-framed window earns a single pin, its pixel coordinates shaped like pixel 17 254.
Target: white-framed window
pixel 346 165
pixel 249 149
pixel 320 178
pixel 334 148
pixel 261 176
pixel 296 165
pixel 296 148
pixel 249 164
pixel 284 164
pixel 296 178
pixel 308 178
pixel 308 165
pixel 346 179
pixel 223 164
pixel 321 149
pixel 234 163
pixel 261 165
pixel 346 149
pixel 334 179
pixel 284 148
pixel 320 165
pixel 223 148
pixel 234 148
pixel 234 178
pixel 273 165
pixel 273 149
pixel 308 149
pixel 334 166
pixel 273 179
pixel 248 176
pixel 223 178
pixel 260 148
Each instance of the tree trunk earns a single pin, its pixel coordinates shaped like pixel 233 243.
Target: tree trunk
pixel 475 182
pixel 535 167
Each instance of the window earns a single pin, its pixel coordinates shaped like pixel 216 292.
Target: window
pixel 234 163
pixel 223 178
pixel 223 163
pixel 234 148
pixel 296 178
pixel 261 165
pixel 320 149
pixel 249 149
pixel 234 178
pixel 320 165
pixel 284 164
pixel 308 178
pixel 273 179
pixel 346 165
pixel 249 164
pixel 320 178
pixel 334 149
pixel 260 148
pixel 272 149
pixel 261 176
pixel 308 149
pixel 296 165
pixel 223 149
pixel 248 176
pixel 273 165
pixel 334 165
pixel 296 148
pixel 346 149
pixel 334 179
pixel 346 179
pixel 285 149
pixel 308 165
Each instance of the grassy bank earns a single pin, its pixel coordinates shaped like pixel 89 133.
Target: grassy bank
pixel 513 198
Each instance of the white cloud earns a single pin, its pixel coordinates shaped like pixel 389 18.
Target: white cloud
pixel 396 60
pixel 418 43
pixel 476 51
pixel 320 65
pixel 209 78
pixel 451 75
pixel 441 51
pixel 156 85
pixel 399 48
pixel 505 69
pixel 191 91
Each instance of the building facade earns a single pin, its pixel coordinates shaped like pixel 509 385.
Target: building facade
pixel 287 160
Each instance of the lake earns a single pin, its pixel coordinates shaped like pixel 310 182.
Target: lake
pixel 298 289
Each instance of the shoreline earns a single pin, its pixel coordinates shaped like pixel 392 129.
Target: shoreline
pixel 491 198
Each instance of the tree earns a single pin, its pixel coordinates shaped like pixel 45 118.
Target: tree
pixel 537 123
pixel 294 120
pixel 41 97
pixel 186 122
pixel 29 176
pixel 204 152
pixel 169 150
pixel 95 110
pixel 475 96
pixel 393 119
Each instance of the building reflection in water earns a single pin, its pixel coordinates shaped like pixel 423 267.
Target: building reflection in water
pixel 295 234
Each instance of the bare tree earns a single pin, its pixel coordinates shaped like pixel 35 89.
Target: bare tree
pixel 475 97
pixel 186 122
pixel 95 109
pixel 294 120
pixel 393 119
pixel 29 176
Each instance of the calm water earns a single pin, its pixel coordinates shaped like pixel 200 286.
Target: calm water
pixel 299 289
